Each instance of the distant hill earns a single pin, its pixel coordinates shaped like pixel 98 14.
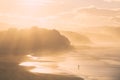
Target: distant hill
pixel 76 38
pixel 4 26
pixel 103 35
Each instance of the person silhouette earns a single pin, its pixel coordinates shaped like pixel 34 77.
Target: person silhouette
pixel 78 66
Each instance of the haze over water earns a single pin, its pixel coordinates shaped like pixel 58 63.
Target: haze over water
pixel 94 64
pixel 59 39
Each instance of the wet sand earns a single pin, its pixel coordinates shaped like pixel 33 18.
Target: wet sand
pixel 95 64
pixel 11 71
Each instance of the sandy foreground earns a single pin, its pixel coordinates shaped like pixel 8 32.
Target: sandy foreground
pixel 12 71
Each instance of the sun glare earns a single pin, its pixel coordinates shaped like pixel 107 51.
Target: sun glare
pixel 33 3
pixel 38 68
pixel 29 64
pixel 32 57
pixel 39 65
pixel 42 70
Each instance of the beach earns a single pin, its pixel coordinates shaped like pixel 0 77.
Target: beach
pixel 12 71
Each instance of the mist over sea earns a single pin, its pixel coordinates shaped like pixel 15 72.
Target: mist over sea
pixel 94 64
pixel 90 64
pixel 59 39
pixel 36 53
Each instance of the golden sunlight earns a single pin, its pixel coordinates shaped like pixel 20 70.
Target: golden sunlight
pixel 29 64
pixel 32 57
pixel 42 70
pixel 34 3
pixel 38 68
pixel 39 65
pixel 59 39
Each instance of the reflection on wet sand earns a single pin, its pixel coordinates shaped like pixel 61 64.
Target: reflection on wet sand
pixel 12 71
pixel 96 64
pixel 89 64
pixel 40 65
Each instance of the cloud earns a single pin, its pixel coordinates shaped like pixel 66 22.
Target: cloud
pixel 116 20
pixel 100 11
pixel 112 0
pixel 86 17
pixel 80 17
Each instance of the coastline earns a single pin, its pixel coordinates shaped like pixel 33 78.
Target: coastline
pixel 12 71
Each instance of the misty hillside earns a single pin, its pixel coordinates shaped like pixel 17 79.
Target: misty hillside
pixel 76 38
pixel 114 31
pixel 106 35
pixel 4 26
pixel 16 41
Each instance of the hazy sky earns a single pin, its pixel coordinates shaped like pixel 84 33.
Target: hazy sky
pixel 60 12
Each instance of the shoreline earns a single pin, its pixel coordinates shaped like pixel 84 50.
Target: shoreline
pixel 12 71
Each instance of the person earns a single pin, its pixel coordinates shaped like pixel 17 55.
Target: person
pixel 78 66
